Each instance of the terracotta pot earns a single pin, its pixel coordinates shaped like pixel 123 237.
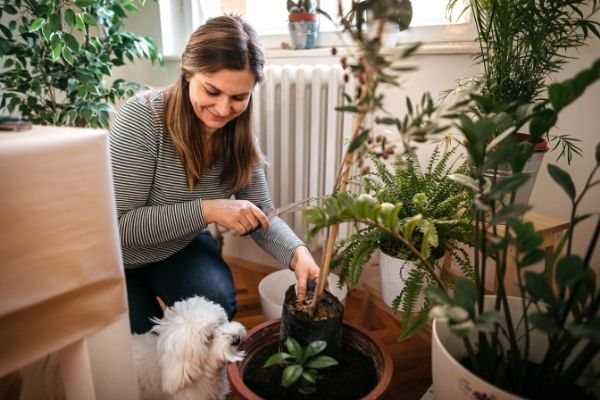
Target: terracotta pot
pixel 267 334
pixel 302 16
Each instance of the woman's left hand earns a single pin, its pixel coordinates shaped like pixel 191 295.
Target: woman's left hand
pixel 304 266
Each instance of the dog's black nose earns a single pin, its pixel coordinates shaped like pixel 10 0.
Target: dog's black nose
pixel 235 340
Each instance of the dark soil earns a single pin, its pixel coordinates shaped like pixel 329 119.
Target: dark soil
pixel 326 325
pixel 533 389
pixel 353 378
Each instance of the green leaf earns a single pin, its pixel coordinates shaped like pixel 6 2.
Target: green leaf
pixel 277 359
pixel 321 362
pixel 544 323
pixel 71 41
pixel 310 376
pixel 507 185
pixel 358 141
pixel 532 257
pixel 465 294
pixel 291 373
pixel 563 179
pixel 294 348
pixel 598 153
pixel 465 180
pixel 36 24
pixel 57 47
pixel 67 55
pixel 79 23
pixel 70 18
pixel 436 295
pixel 313 348
pixel 537 285
pixel 570 270
pixel 560 95
pixel 88 19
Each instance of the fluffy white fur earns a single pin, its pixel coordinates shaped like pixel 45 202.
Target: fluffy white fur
pixel 184 357
pixel 187 359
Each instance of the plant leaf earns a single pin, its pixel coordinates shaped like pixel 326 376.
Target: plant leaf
pixel 563 179
pixel 313 348
pixel 294 348
pixel 277 358
pixel 537 285
pixel 543 322
pixel 291 373
pixel 321 362
pixel 569 270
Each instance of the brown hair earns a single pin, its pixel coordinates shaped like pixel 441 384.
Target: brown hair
pixel 225 42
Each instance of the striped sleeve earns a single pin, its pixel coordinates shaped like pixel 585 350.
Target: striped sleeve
pixel 134 139
pixel 279 240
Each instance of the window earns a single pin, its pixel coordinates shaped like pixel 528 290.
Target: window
pixel 269 17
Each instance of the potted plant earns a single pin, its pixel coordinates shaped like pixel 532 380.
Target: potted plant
pixel 303 23
pixel 364 370
pixel 58 54
pixel 521 44
pixel 434 217
pixel 396 16
pixel 544 343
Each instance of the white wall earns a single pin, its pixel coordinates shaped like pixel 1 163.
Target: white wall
pixel 438 72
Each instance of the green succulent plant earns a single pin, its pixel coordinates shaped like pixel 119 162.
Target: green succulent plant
pixel 301 364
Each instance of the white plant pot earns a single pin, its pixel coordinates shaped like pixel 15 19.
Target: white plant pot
pixel 394 273
pixel 272 290
pixel 453 381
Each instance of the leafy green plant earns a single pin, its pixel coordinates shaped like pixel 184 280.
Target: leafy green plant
pixel 432 213
pixel 523 43
pixel 568 316
pixel 302 6
pixel 301 364
pixel 57 55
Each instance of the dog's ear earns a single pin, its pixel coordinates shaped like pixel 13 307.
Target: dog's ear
pixel 182 349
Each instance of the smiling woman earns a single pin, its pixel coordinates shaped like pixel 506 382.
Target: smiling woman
pixel 186 157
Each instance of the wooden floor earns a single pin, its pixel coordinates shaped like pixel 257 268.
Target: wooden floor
pixel 412 359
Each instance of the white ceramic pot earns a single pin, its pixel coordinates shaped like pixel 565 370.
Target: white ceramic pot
pixel 394 273
pixel 453 381
pixel 273 286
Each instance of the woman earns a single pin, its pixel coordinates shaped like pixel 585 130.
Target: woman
pixel 178 157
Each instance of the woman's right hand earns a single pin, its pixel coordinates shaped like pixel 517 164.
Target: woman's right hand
pixel 240 216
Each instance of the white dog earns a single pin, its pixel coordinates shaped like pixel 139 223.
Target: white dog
pixel 185 354
pixel 183 357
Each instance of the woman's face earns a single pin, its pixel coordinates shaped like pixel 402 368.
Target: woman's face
pixel 219 97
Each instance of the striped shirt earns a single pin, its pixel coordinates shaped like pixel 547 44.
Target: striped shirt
pixel 158 213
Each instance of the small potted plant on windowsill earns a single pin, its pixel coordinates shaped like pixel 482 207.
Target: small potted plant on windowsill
pixel 303 23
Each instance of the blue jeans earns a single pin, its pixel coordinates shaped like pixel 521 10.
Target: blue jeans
pixel 197 269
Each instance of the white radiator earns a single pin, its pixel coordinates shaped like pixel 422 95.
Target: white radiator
pixel 301 133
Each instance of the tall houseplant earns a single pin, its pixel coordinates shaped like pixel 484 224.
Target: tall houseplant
pixel 58 54
pixel 522 44
pixel 498 340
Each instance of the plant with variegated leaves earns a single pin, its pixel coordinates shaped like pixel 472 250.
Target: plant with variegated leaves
pixel 301 364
